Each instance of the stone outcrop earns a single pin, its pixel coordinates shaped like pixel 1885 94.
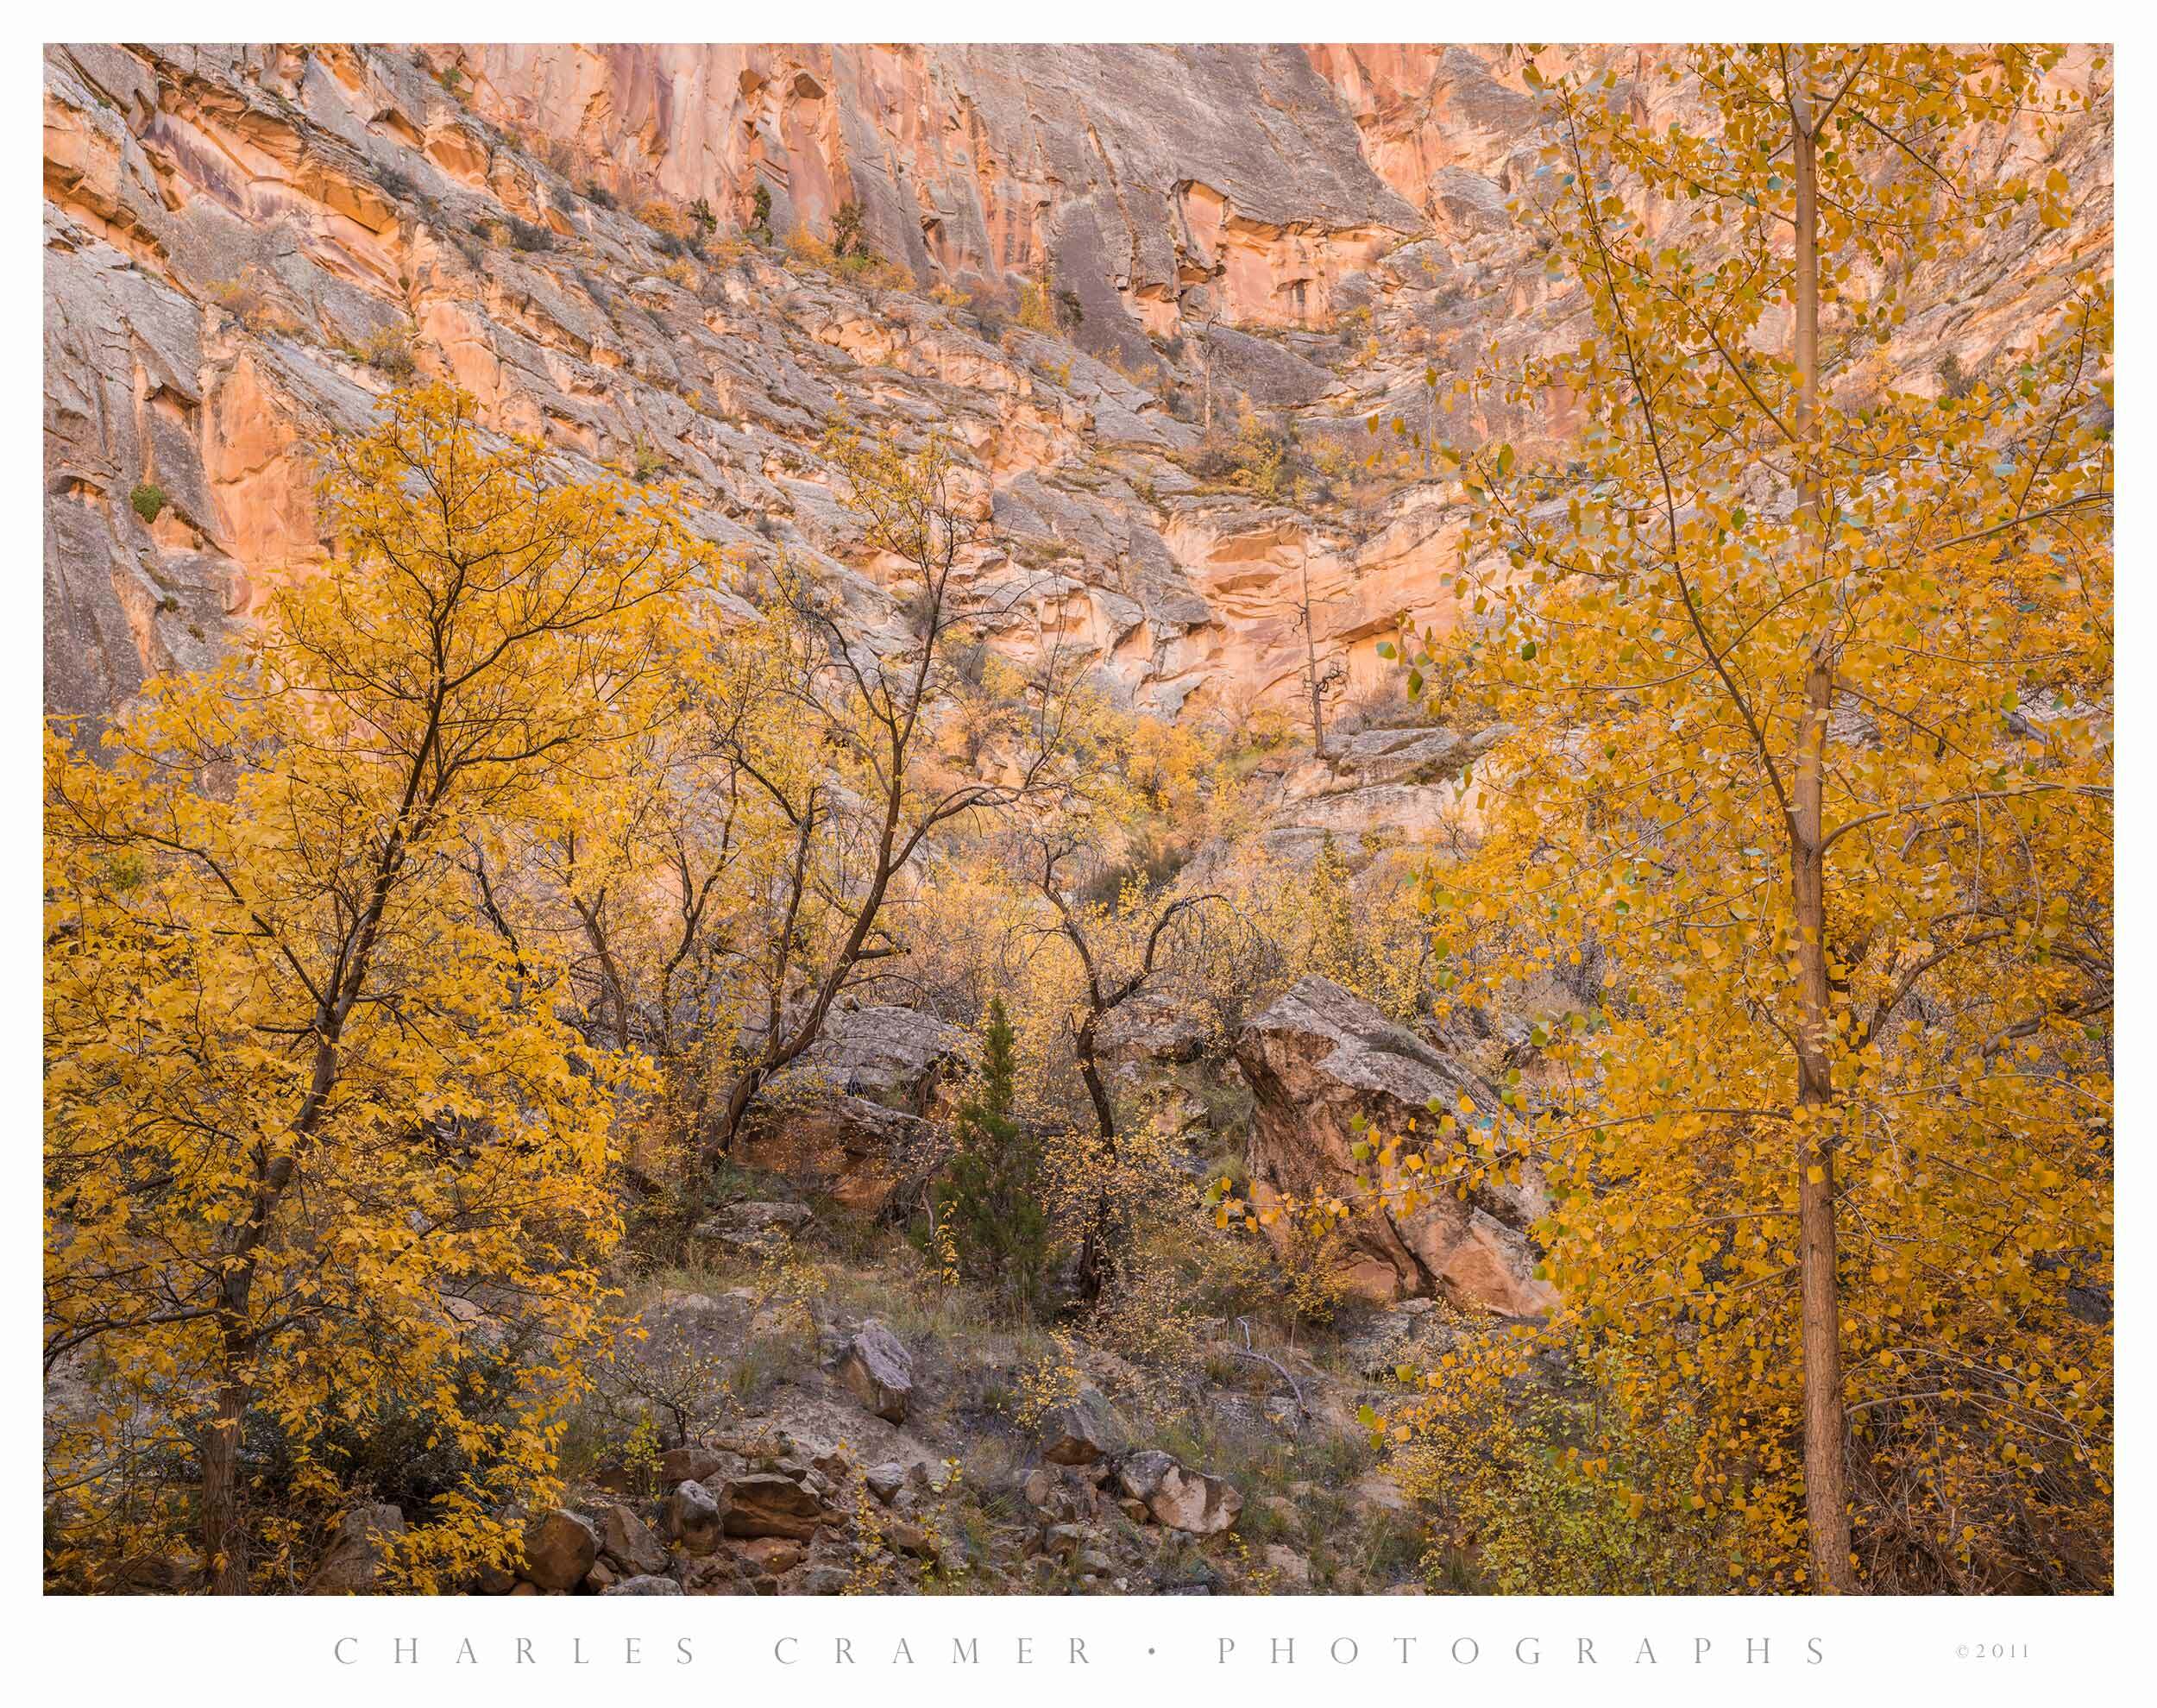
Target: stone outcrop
pixel 850 1117
pixel 1326 1068
pixel 246 245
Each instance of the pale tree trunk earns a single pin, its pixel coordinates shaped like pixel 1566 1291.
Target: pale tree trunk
pixel 1311 665
pixel 1827 1476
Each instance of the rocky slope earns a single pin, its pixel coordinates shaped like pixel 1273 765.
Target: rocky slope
pixel 246 244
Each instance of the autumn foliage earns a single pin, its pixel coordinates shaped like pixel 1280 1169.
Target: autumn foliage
pixel 1808 673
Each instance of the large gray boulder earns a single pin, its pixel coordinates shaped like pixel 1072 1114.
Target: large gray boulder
pixel 851 1116
pixel 878 1371
pixel 900 1058
pixel 1327 1071
pixel 693 1515
pixel 629 1541
pixel 1183 1499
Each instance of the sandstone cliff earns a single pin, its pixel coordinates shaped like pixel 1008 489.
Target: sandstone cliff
pixel 245 243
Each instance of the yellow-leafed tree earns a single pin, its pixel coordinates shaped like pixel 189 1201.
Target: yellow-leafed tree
pixel 324 1154
pixel 1808 670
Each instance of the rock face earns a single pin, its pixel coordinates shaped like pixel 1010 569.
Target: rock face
pixel 247 245
pixel 878 1372
pixel 1320 1060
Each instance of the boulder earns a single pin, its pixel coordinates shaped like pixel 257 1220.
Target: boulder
pixel 884 1481
pixel 717 1574
pixel 878 1371
pixel 628 1541
pixel 1326 1068
pixel 900 1058
pixel 768 1556
pixel 1079 1431
pixel 1183 1499
pixel 560 1547
pixel 691 1464
pixel 1157 1047
pixel 643 1586
pixel 765 1504
pixel 1291 1570
pixel 354 1561
pixel 850 1116
pixel 692 1516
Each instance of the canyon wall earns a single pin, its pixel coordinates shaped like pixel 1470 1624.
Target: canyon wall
pixel 246 245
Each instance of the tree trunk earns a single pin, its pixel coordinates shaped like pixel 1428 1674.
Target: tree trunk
pixel 1827 1476
pixel 1311 665
pixel 1094 1251
pixel 223 1529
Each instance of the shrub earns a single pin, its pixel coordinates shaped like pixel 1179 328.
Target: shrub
pixel 847 236
pixel 528 237
pixel 389 351
pixel 647 463
pixel 148 500
pixel 989 1217
pixel 1036 312
pixel 666 219
pixel 760 218
pixel 805 249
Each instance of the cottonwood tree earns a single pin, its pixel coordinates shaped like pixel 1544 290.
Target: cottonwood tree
pixel 1808 664
pixel 322 1147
